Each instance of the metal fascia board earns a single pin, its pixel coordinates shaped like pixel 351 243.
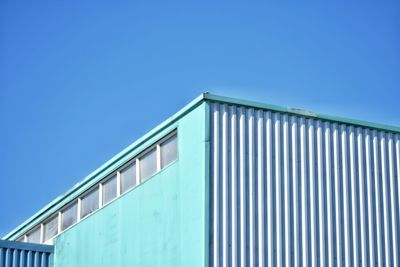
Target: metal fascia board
pixel 301 112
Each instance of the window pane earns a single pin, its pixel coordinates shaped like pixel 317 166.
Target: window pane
pixel 169 151
pixel 90 203
pixel 34 236
pixel 110 189
pixel 69 216
pixel 128 178
pixel 50 228
pixel 148 164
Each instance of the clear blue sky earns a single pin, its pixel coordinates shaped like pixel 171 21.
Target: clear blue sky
pixel 81 81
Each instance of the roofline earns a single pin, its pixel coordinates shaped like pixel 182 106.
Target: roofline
pixel 92 176
pixel 189 107
pixel 295 111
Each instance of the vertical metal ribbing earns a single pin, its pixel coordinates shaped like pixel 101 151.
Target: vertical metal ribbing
pixel 371 232
pixel 398 177
pixel 353 182
pixel 311 173
pixel 338 210
pixel 224 185
pixel 329 210
pixel 242 168
pixel 278 190
pixel 398 169
pixel 321 196
pixel 287 223
pixel 23 258
pixel 251 189
pixel 360 149
pixel 304 223
pixel 216 185
pixel 377 199
pixel 234 197
pixel 393 200
pixel 296 222
pixel 345 197
pixel 286 188
pixel 385 198
pixel 270 210
pixel 260 186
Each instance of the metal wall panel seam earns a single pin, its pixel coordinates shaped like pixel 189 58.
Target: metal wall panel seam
pixel 353 182
pixel 321 196
pixel 251 188
pixel 278 191
pixel 286 190
pixel 242 137
pixel 270 212
pixel 398 180
pixel 304 208
pixel 362 197
pixel 385 198
pixel 371 233
pixel 377 199
pixel 328 192
pixel 296 222
pixel 234 185
pixel 345 197
pixel 215 185
pixel 311 173
pixel 260 186
pixel 338 201
pixel 393 200
pixel 224 186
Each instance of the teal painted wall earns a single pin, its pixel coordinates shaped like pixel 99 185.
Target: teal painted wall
pixel 162 222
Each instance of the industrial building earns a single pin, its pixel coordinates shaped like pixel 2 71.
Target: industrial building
pixel 228 182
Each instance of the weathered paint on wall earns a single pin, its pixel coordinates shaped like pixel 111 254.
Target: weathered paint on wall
pixel 159 223
pixel 18 254
pixel 290 190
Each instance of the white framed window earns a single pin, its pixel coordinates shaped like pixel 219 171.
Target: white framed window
pixel 34 236
pixel 50 228
pixel 89 202
pixel 169 150
pixel 148 164
pixel 109 189
pixel 128 177
pixel 69 216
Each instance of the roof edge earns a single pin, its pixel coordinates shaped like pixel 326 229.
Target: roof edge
pixel 294 111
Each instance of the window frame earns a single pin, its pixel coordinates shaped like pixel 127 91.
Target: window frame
pixel 55 216
pixel 101 189
pixel 66 207
pixel 86 194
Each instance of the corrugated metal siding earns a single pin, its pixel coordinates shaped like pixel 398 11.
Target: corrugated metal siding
pixel 18 254
pixel 288 190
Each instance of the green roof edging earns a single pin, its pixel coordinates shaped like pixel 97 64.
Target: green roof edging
pixel 301 112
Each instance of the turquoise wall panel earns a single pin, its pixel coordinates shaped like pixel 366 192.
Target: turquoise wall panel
pixel 159 223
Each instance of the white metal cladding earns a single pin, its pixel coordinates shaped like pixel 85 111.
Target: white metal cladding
pixel 288 190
